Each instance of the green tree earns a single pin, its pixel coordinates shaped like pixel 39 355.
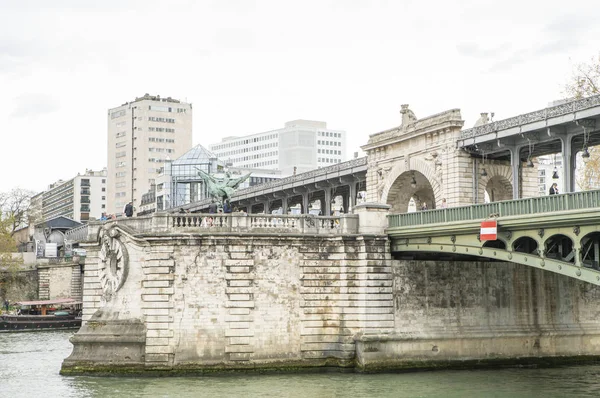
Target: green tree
pixel 585 82
pixel 15 206
pixel 9 266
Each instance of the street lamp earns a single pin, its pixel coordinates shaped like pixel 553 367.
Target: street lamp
pixel 585 155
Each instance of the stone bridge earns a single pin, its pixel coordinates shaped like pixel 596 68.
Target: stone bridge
pixel 199 293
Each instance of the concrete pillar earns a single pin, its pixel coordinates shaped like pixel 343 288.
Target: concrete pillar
pixel 351 197
pixel 567 163
pixel 327 205
pixel 284 204
pixel 304 202
pixel 515 164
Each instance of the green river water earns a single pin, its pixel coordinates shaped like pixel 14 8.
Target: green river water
pixel 30 363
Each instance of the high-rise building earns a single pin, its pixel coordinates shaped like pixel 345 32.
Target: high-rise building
pixel 142 134
pixel 302 145
pixel 80 198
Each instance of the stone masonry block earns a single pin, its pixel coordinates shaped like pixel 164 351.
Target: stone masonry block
pixel 157 341
pixel 159 333
pixel 238 270
pixel 239 340
pixel 239 297
pixel 239 311
pixel 161 349
pixel 158 290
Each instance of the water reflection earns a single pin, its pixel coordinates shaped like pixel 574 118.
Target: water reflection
pixel 30 362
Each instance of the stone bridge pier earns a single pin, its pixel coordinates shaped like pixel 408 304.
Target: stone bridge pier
pixel 420 160
pixel 199 293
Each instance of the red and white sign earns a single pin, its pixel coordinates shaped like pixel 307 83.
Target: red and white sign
pixel 488 230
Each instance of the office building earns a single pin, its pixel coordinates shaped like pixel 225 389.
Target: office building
pixel 142 134
pixel 81 198
pixel 302 145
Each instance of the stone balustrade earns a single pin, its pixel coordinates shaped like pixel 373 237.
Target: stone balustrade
pixel 204 223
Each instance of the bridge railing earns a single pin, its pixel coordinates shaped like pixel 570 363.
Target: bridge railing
pixel 77 234
pixel 261 222
pixel 201 223
pixel 542 204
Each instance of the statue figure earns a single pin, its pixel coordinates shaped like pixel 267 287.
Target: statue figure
pixel 221 191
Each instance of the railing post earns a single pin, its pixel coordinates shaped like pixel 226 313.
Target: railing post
pixel 160 222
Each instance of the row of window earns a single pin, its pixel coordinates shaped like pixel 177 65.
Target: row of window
pixel 167 150
pixel 256 156
pixel 161 129
pixel 244 150
pixel 329 134
pixel 161 119
pixel 120 174
pixel 331 143
pixel 245 142
pixel 117 114
pixel 159 108
pixel 327 160
pixel 329 151
pixel 120 144
pixel 156 160
pixel 259 164
pixel 121 164
pixel 156 139
pixel 119 194
pixel 121 134
pixel 121 154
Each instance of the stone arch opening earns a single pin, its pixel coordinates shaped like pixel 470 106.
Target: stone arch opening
pixel 495 244
pixel 525 244
pixel 410 185
pixel 498 188
pixel 560 247
pixel 590 250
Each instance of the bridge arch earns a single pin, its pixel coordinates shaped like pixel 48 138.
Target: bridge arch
pixel 526 244
pixel 397 189
pixel 560 247
pixel 590 250
pixel 497 184
pixel 495 244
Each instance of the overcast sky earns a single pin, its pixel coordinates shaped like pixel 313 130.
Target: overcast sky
pixel 249 66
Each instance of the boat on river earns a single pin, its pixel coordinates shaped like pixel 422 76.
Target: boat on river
pixel 43 315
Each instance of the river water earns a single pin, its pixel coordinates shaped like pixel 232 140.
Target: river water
pixel 30 362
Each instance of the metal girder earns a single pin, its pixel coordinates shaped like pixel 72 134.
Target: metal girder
pixel 560 267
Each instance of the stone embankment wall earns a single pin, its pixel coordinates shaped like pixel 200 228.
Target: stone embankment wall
pixel 475 313
pixel 193 303
pixel 204 303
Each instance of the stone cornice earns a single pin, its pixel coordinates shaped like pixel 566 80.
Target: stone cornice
pixel 429 124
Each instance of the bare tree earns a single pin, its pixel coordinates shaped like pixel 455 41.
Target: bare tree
pixel 14 206
pixel 585 82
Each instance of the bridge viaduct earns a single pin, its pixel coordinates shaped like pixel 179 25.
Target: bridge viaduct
pixel 376 288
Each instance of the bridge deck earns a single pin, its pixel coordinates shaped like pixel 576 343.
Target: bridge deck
pixel 520 207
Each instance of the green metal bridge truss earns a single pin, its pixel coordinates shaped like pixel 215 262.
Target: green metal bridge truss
pixel 558 233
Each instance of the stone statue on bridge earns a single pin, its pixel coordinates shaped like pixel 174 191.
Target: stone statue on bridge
pixel 221 191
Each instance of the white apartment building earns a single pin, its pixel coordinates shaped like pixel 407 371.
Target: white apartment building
pixel 302 145
pixel 80 198
pixel 142 134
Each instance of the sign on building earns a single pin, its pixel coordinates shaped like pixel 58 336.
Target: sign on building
pixel 51 250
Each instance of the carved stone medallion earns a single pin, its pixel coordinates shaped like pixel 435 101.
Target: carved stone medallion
pixel 114 262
